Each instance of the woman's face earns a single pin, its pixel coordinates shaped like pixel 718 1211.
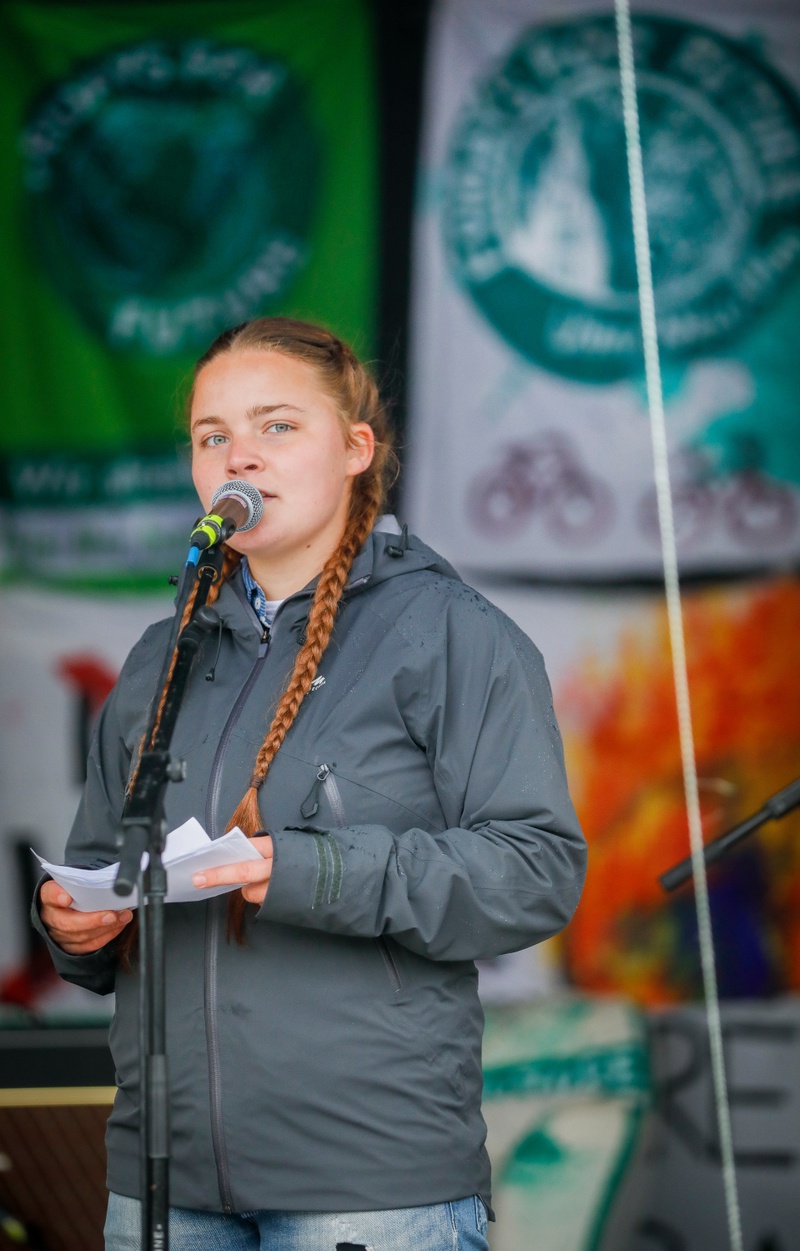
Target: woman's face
pixel 261 416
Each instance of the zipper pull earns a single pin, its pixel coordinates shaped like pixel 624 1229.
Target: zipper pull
pixel 310 807
pixel 264 644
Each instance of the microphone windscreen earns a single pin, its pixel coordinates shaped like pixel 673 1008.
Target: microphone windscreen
pixel 245 493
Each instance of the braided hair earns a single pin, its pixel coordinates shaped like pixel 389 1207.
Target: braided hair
pixel 346 382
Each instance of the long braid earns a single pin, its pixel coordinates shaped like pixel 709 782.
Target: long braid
pixel 319 628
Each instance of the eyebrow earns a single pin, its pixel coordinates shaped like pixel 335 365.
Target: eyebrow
pixel 264 410
pixel 253 414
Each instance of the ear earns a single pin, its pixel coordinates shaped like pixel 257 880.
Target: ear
pixel 360 447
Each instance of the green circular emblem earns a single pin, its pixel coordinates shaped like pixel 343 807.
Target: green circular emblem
pixel 537 212
pixel 171 188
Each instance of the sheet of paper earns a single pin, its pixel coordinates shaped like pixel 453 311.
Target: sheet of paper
pixel 230 849
pixel 187 837
pixel 188 850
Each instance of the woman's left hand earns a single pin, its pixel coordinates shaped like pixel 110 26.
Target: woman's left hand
pixel 252 875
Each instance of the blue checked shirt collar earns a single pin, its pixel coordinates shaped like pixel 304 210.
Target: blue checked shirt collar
pixel 256 596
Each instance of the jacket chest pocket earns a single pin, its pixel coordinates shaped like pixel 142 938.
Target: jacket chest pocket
pixel 325 787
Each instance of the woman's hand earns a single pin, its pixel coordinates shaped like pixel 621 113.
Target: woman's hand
pixel 252 875
pixel 78 932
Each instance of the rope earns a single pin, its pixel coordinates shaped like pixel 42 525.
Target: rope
pixel 655 401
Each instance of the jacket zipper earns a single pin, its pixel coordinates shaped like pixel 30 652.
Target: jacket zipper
pixel 327 782
pixel 213 929
pixel 391 964
pixel 334 796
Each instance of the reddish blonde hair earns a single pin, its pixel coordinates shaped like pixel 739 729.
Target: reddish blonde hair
pixel 346 382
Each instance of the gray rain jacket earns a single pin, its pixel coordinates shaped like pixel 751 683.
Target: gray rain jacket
pixel 421 820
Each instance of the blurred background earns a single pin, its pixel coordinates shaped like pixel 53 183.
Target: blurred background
pixel 445 186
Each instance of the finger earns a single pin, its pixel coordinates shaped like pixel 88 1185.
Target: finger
pixel 65 924
pixel 235 874
pixel 78 932
pixel 54 895
pixel 72 921
pixel 87 946
pixel 255 894
pixel 263 845
pixel 83 943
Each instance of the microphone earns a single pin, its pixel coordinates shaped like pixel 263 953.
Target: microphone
pixel 236 505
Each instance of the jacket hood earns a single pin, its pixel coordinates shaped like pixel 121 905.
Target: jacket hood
pixel 389 552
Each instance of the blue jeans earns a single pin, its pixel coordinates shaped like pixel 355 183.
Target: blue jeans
pixel 457 1226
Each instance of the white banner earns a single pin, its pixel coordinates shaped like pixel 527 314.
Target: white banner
pixel 530 444
pixel 60 657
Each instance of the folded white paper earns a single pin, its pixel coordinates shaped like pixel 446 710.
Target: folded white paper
pixel 188 850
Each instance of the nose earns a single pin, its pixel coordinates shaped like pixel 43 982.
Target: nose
pixel 244 456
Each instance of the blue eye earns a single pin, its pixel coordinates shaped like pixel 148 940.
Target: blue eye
pixel 279 426
pixel 215 440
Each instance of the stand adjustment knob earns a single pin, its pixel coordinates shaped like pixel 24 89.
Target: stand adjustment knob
pixel 176 770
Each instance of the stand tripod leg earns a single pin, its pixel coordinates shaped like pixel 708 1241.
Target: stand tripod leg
pixel 155 1230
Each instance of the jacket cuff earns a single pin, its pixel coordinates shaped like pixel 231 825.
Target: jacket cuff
pixel 306 873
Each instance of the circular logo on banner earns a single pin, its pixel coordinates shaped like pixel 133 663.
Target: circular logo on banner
pixel 171 189
pixel 537 212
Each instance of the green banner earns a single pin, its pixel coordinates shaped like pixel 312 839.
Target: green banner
pixel 168 170
pixel 621 1069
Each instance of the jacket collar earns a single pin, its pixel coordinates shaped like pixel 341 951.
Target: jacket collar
pixel 388 552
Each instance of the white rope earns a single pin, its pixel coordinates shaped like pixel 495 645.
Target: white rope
pixel 655 400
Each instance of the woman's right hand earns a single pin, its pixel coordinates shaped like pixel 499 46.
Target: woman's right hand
pixel 77 932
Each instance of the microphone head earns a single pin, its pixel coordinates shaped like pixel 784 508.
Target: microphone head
pixel 247 494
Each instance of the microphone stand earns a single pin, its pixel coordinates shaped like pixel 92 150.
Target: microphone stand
pixel 777 806
pixel 144 830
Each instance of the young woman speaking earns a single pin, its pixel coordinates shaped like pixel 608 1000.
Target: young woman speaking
pixel 386 737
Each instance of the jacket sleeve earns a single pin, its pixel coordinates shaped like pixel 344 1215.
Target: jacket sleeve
pixel 508 871
pixel 93 839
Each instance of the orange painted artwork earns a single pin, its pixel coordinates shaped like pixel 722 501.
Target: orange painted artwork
pixel 621 737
